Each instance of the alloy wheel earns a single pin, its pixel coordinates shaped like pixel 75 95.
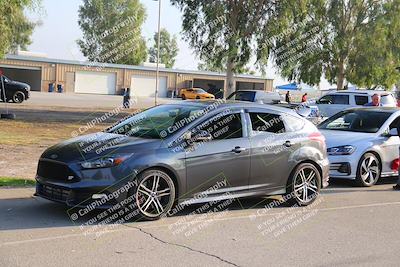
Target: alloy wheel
pixel 369 170
pixel 155 194
pixel 306 185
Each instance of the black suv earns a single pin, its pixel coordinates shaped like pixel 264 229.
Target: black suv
pixel 15 91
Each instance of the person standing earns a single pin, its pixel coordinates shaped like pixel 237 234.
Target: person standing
pixel 304 98
pixel 288 98
pixel 376 101
pixel 397 186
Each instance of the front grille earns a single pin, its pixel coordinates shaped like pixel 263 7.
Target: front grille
pixel 54 193
pixel 55 171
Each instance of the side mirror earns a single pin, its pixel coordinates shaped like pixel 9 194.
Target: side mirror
pixel 393 132
pixel 203 136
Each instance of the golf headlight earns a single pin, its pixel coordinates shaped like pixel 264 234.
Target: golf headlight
pixel 341 150
pixel 105 162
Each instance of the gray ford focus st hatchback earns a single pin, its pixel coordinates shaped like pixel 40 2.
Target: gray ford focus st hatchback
pixel 191 152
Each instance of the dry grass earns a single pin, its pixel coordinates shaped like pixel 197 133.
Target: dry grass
pixel 27 133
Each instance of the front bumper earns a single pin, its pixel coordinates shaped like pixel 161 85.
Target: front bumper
pixel 324 164
pixel 76 196
pixel 343 167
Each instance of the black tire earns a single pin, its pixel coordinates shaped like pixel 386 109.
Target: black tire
pixel 18 97
pixel 151 204
pixel 197 97
pixel 297 192
pixel 183 97
pixel 368 170
pixel 8 116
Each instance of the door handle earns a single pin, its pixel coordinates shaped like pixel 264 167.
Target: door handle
pixel 287 144
pixel 238 149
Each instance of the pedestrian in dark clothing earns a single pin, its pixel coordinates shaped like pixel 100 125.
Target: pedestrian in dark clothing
pixel 127 98
pixel 288 98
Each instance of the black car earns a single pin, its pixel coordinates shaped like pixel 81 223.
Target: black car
pixel 16 92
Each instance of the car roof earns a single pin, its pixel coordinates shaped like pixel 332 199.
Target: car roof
pixel 234 104
pixel 362 92
pixel 377 109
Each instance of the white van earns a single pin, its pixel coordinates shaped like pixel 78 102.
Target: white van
pixel 335 102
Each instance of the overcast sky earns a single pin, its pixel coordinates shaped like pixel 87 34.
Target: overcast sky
pixel 58 34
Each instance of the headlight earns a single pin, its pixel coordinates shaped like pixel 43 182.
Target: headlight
pixel 105 162
pixel 341 150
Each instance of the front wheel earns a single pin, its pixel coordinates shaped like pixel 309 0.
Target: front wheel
pixel 368 170
pixel 304 185
pixel 183 97
pixel 155 194
pixel 18 97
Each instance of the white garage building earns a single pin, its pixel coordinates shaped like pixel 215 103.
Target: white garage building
pixel 110 79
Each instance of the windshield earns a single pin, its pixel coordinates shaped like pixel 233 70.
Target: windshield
pixel 200 91
pixel 158 122
pixel 243 96
pixel 356 121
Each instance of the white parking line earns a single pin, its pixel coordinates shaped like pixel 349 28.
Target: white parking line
pixel 147 226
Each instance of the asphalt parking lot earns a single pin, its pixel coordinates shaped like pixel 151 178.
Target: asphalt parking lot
pixel 347 226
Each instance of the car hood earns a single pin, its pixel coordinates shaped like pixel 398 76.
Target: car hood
pixel 20 84
pixel 342 138
pixel 97 145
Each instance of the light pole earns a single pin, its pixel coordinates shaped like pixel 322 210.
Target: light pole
pixel 158 52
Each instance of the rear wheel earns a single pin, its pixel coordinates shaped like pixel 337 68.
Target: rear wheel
pixel 155 194
pixel 197 97
pixel 368 171
pixel 304 185
pixel 183 97
pixel 18 97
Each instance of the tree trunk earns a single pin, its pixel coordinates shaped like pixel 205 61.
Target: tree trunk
pixel 230 81
pixel 340 76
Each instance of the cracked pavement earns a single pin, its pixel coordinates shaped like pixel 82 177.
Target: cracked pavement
pixel 348 226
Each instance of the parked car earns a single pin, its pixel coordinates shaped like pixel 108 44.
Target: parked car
pixel 363 144
pixel 195 93
pixel 16 92
pixel 334 102
pixel 180 151
pixel 256 96
pixel 309 112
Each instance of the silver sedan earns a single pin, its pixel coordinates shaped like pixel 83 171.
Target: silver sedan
pixel 363 144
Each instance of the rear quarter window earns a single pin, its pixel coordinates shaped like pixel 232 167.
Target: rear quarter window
pixel 292 123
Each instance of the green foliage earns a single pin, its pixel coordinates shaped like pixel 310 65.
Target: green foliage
pixel 15 27
pixel 226 34
pixel 168 49
pixel 349 40
pixel 112 31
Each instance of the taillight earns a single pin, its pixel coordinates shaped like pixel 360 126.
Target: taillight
pixel 395 164
pixel 317 136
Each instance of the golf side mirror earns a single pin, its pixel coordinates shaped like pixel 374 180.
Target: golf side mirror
pixel 393 132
